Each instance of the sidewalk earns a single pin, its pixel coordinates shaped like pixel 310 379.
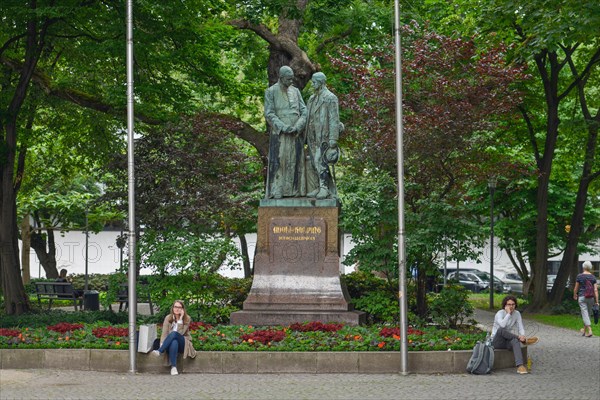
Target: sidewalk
pixel 565 365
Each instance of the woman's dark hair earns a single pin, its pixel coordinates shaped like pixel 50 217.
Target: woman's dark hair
pixel 507 298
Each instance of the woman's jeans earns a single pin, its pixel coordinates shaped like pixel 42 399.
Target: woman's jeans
pixel 585 305
pixel 174 343
pixel 504 339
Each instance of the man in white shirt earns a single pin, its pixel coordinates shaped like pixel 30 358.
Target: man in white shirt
pixel 508 332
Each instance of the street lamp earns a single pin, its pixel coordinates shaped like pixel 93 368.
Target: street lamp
pixel 492 186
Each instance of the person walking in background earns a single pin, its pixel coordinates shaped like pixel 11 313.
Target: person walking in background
pixel 175 338
pixel 585 293
pixel 508 332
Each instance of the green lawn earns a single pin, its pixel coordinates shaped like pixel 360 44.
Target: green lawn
pixel 564 321
pixel 569 321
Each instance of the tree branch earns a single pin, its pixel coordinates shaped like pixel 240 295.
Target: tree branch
pixel 80 98
pixel 343 35
pixel 531 131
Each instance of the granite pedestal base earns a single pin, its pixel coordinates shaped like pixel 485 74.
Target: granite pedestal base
pixel 297 266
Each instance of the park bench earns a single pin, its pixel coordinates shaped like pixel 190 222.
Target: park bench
pixel 57 291
pixel 142 292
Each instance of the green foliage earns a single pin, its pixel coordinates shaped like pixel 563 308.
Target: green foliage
pixel 185 251
pixel 451 306
pixel 209 297
pixel 43 317
pixel 567 305
pixel 378 297
pixel 370 215
pixel 380 306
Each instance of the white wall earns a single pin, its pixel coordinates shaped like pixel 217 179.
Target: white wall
pixel 103 255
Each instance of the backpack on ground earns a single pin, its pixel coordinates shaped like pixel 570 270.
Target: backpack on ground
pixel 588 289
pixel 482 360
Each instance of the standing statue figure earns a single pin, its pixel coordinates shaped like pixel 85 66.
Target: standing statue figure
pixel 323 128
pixel 285 112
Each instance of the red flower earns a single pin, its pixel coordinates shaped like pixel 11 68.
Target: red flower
pixel 64 327
pixel 110 332
pixel 395 332
pixel 264 336
pixel 316 326
pixel 194 326
pixel 9 332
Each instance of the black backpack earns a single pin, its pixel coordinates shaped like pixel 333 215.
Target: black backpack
pixel 482 360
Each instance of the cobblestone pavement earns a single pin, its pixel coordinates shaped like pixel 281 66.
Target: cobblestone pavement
pixel 565 365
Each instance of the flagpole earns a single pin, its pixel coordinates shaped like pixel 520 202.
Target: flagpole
pixel 400 164
pixel 132 306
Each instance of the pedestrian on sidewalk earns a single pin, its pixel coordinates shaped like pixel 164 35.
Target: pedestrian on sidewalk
pixel 175 338
pixel 508 332
pixel 585 293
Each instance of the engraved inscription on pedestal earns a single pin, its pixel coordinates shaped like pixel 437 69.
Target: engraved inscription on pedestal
pixel 297 243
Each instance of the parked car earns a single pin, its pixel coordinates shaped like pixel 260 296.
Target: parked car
pixel 477 281
pixel 514 280
pixel 468 280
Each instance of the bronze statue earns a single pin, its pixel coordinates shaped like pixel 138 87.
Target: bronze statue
pixel 285 113
pixel 322 132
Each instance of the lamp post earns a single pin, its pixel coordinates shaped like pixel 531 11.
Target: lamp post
pixel 492 187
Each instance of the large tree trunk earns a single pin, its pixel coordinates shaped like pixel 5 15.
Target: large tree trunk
pixel 15 298
pixel 245 256
pixel 16 301
pixel 550 82
pixel 568 265
pixel 46 254
pixel 283 45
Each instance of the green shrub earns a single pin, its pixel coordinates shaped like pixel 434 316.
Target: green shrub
pixel 378 297
pixel 380 306
pixel 209 297
pixel 451 306
pixel 43 317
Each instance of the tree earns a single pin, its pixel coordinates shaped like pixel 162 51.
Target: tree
pixel 560 40
pixel 455 98
pixel 194 176
pixel 70 55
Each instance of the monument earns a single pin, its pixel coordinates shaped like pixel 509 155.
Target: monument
pixel 297 262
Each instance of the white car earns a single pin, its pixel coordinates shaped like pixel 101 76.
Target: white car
pixel 514 280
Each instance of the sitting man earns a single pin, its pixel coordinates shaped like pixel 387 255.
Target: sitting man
pixel 506 321
pixel 62 277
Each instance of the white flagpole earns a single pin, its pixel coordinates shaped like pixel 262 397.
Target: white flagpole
pixel 131 193
pixel 400 161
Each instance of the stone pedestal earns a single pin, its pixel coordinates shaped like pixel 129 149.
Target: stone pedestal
pixel 297 266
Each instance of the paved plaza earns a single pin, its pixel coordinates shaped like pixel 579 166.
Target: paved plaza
pixel 565 365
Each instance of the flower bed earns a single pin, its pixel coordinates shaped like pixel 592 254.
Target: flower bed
pixel 314 336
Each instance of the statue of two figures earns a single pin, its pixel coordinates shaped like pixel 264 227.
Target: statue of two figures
pixel 303 145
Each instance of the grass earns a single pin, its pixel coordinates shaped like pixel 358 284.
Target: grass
pixel 568 321
pixel 482 300
pixel 573 322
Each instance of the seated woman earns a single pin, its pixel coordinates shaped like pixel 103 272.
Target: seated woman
pixel 175 337
pixel 508 332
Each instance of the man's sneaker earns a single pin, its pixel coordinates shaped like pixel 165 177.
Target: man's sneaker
pixel 522 370
pixel 155 353
pixel 174 371
pixel 531 340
